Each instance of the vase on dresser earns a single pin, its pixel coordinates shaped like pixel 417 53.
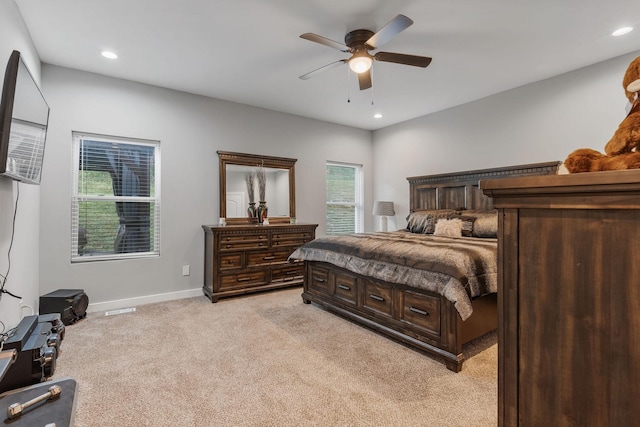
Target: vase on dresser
pixel 251 210
pixel 261 211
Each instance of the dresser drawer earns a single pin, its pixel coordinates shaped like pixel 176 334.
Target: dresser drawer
pixel 243 280
pixel 345 288
pixel 288 273
pixel 266 257
pixel 230 261
pixel 318 280
pixel 377 297
pixel 290 238
pixel 232 242
pixel 421 310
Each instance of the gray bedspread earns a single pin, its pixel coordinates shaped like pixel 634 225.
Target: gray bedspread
pixel 459 268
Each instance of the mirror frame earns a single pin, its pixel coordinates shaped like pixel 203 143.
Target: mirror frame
pixel 229 158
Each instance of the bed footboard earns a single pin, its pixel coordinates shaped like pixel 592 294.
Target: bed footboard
pixel 421 319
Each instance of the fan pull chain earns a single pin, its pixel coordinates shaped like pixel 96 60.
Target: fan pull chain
pixel 371 71
pixel 348 86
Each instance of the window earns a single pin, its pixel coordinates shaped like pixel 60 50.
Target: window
pixel 116 198
pixel 344 198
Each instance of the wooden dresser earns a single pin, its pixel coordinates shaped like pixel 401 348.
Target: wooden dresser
pixel 240 259
pixel 568 299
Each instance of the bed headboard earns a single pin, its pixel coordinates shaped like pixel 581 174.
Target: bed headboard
pixel 462 189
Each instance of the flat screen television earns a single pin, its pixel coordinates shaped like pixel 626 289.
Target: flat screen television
pixel 24 117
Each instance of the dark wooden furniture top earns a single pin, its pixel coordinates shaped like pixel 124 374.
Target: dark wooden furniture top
pixel 243 259
pixel 569 347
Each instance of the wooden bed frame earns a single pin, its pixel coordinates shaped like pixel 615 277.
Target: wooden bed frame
pixel 424 320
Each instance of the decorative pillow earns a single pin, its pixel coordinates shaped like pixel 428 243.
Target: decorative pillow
pixel 486 225
pixel 467 224
pixel 424 221
pixel 448 227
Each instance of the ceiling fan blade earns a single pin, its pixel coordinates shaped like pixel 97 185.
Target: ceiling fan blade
pixel 401 58
pixel 389 31
pixel 325 41
pixel 365 79
pixel 323 68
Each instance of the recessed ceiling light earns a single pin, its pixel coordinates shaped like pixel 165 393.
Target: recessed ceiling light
pixel 622 31
pixel 108 54
pixel 377 116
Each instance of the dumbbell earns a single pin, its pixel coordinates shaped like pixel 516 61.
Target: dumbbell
pixel 15 410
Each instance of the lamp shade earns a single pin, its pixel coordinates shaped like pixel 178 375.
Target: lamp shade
pixel 383 209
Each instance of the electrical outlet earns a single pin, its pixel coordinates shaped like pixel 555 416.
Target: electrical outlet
pixel 186 270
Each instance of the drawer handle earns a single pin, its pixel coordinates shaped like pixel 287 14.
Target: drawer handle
pixel 376 297
pixel 268 258
pixel 244 279
pixel 345 287
pixel 291 273
pixel 319 280
pixel 228 246
pixel 418 311
pixel 260 244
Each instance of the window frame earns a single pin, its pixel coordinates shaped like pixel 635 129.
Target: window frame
pixel 153 200
pixel 358 196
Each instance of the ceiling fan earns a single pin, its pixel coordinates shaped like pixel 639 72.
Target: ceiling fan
pixel 359 42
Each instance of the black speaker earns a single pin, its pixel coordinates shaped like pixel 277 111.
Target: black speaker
pixel 70 303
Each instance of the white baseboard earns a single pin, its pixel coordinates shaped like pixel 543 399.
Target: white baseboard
pixel 147 299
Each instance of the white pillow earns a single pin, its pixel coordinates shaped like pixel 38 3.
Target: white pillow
pixel 448 227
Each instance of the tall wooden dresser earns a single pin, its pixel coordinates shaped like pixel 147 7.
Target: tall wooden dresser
pixel 568 299
pixel 240 259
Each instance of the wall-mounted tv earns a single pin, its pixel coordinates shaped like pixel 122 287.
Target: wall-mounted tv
pixel 24 117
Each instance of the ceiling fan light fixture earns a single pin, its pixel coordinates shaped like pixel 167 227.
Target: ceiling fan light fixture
pixel 360 63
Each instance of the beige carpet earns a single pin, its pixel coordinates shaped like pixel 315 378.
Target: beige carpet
pixel 265 360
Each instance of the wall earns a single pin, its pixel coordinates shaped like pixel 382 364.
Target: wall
pixel 23 274
pixel 191 128
pixel 538 122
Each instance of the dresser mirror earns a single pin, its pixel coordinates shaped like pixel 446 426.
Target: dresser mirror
pixel 279 187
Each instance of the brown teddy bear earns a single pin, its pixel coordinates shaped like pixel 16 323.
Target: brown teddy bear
pixel 623 149
pixel 627 137
pixel 588 160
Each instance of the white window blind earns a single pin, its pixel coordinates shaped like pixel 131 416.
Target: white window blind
pixel 116 198
pixel 344 198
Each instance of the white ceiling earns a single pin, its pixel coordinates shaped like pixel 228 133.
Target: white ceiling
pixel 249 51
